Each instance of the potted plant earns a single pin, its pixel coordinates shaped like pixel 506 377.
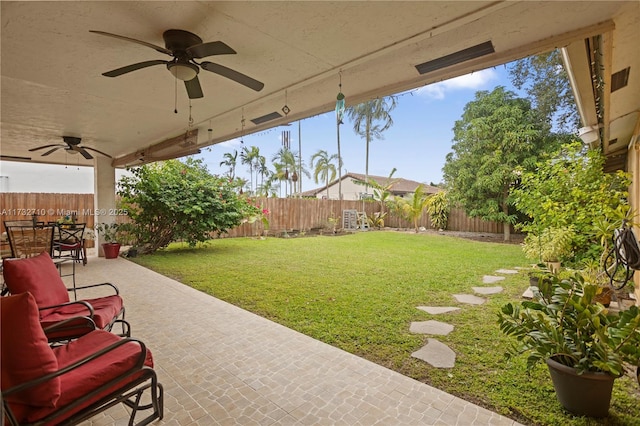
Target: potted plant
pixel 551 246
pixel 584 345
pixel 593 273
pixel 110 234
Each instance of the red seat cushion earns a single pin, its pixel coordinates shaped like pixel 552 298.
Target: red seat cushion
pixel 25 352
pixel 37 275
pixel 69 246
pixel 105 309
pixel 79 382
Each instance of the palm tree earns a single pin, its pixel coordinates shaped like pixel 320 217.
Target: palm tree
pixel 262 168
pixel 268 188
pixel 382 192
pixel 370 119
pixel 279 175
pixel 324 169
pixel 249 155
pixel 230 160
pixel 413 208
pixel 285 162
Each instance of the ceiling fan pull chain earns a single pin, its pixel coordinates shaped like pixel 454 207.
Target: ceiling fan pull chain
pixel 175 96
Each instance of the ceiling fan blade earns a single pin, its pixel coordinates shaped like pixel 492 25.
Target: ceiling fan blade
pixel 193 88
pixel 99 152
pixel 45 146
pixel 82 151
pixel 52 150
pixel 209 49
pixel 133 40
pixel 133 67
pixel 236 76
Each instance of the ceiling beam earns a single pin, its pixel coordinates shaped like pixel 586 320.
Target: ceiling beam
pixel 187 140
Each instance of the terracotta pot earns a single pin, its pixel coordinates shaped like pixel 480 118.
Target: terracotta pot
pixel 553 266
pixel 111 250
pixel 587 394
pixel 604 297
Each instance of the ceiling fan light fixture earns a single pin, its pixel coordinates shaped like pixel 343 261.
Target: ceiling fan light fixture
pixel 184 71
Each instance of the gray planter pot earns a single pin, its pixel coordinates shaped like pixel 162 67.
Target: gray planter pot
pixel 587 394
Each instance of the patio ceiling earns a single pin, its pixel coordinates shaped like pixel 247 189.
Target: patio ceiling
pixel 52 84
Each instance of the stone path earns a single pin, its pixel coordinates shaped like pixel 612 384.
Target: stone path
pixel 435 352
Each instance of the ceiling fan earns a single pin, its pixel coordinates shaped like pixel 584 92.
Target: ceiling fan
pixel 72 147
pixel 185 47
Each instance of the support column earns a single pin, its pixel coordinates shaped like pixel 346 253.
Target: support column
pixel 104 194
pixel 633 166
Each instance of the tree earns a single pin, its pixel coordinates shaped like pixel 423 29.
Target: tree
pixel 230 160
pixel 250 156
pixel 412 208
pixel 547 83
pixel 382 191
pixel 569 189
pixel 497 137
pixel 275 179
pixel 175 200
pixel 323 167
pixel 439 208
pixel 370 120
pixel 263 169
pixel 284 162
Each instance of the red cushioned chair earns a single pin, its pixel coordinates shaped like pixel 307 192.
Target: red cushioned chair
pixel 39 276
pixel 70 383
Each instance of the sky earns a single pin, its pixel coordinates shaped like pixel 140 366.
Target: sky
pixel 416 145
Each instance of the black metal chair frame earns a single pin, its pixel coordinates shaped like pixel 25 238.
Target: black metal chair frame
pixel 16 252
pixel 69 238
pixel 129 394
pixel 118 319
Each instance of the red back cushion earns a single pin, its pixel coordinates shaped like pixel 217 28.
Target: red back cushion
pixel 37 275
pixel 25 352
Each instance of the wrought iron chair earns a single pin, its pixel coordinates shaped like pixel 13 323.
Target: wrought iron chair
pixel 28 238
pixel 68 242
pixel 71 383
pixel 38 276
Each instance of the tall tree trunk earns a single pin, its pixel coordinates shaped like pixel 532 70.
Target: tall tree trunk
pixel 327 184
pixel 506 226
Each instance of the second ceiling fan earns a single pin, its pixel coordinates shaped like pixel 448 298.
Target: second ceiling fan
pixel 185 47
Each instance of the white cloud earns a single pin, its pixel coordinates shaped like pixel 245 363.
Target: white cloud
pixel 474 81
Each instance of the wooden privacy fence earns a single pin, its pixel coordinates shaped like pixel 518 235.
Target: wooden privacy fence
pixel 47 207
pixel 286 214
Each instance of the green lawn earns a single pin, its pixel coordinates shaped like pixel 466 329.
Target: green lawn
pixel 359 292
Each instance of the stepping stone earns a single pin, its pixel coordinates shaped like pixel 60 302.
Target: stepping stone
pixel 487 290
pixel 506 271
pixel 490 279
pixel 470 299
pixel 434 310
pixel 528 293
pixel 437 354
pixel 431 327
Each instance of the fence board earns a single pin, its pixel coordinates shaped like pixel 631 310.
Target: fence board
pixel 286 214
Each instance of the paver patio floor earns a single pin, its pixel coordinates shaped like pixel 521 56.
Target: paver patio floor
pixel 220 364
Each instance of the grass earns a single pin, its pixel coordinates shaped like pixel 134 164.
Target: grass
pixel 360 292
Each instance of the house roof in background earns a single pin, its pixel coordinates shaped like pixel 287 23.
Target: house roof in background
pixel 400 187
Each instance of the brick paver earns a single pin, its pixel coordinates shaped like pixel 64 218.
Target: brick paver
pixel 220 364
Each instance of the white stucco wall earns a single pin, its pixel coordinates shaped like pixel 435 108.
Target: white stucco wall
pixel 350 191
pixel 49 178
